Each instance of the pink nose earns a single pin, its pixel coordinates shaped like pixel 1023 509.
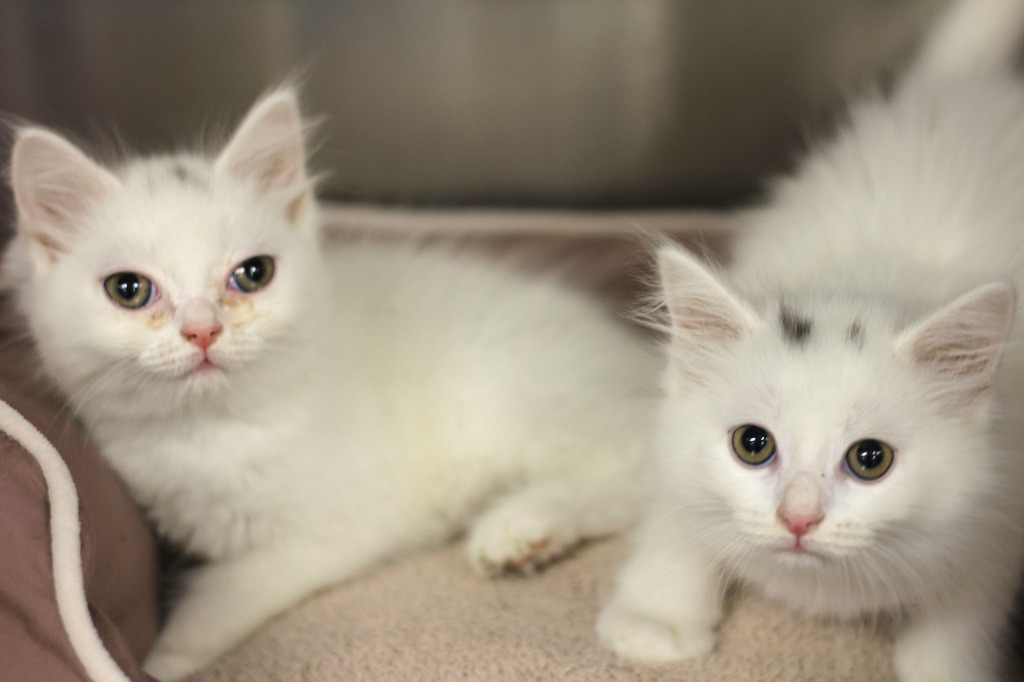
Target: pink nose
pixel 199 323
pixel 202 337
pixel 800 524
pixel 801 508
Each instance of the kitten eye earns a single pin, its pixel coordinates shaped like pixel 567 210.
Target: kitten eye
pixel 253 274
pixel 753 445
pixel 869 459
pixel 129 290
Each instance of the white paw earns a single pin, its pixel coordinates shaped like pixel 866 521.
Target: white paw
pixel 169 666
pixel 648 640
pixel 516 537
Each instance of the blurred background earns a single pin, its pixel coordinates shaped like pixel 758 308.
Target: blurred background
pixel 553 103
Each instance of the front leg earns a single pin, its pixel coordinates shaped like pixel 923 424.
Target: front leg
pixel 667 602
pixel 953 641
pixel 225 601
pixel 533 525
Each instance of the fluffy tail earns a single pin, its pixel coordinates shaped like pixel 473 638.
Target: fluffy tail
pixel 971 37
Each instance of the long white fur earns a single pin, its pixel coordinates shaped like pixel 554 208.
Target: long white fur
pixel 901 242
pixel 369 401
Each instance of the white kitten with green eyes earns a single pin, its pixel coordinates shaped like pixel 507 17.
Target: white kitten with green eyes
pixel 840 429
pixel 295 415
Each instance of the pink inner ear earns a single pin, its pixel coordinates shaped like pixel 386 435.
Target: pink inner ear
pixel 268 146
pixel 699 317
pixel 700 306
pixel 963 342
pixel 54 184
pixel 272 167
pixel 958 355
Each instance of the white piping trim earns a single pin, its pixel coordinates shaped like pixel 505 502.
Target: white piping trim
pixel 65 535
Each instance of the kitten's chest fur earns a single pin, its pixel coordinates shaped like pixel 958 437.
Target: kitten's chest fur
pixel 209 480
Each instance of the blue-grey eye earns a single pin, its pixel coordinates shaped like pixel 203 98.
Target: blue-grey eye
pixel 253 274
pixel 129 290
pixel 869 459
pixel 753 444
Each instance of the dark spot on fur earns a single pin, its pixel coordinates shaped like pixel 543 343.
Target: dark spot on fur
pixel 856 333
pixel 186 175
pixel 795 328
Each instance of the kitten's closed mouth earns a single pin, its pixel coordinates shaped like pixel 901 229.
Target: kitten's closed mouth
pixel 204 367
pixel 800 552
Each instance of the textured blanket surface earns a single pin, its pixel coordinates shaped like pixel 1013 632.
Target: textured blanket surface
pixel 429 617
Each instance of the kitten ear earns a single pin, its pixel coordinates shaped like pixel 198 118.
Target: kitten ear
pixel 54 185
pixel 962 343
pixel 704 313
pixel 268 146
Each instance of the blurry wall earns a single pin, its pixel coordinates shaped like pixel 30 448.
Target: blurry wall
pixel 603 103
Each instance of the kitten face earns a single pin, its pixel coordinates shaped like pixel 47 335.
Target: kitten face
pixel 185 246
pixel 818 455
pixel 178 275
pixel 817 403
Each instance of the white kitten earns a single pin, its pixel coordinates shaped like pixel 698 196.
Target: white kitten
pixel 837 430
pixel 296 416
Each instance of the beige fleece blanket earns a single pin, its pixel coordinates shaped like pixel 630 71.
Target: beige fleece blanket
pixel 430 618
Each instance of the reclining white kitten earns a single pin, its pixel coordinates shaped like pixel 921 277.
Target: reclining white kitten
pixel 837 430
pixel 295 415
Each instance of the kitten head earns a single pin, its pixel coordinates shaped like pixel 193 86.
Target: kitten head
pixel 163 281
pixel 830 450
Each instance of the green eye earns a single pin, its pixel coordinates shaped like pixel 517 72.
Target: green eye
pixel 869 459
pixel 253 274
pixel 753 445
pixel 129 290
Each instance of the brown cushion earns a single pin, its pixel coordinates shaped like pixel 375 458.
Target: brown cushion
pixel 117 565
